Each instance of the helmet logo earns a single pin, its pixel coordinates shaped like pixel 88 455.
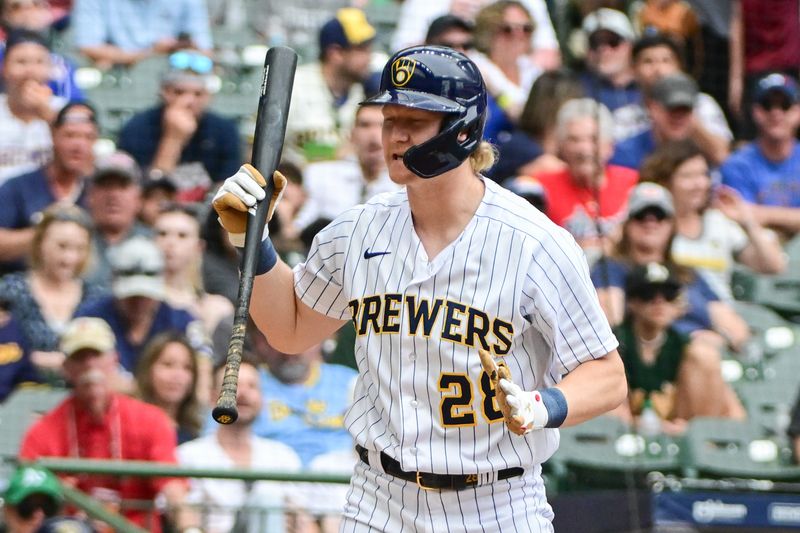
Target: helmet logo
pixel 402 70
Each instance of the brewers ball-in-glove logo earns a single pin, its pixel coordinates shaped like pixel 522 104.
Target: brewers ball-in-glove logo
pixel 402 70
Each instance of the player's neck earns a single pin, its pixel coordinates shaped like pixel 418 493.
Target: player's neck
pixel 443 206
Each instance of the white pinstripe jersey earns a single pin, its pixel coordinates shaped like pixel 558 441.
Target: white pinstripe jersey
pixel 512 282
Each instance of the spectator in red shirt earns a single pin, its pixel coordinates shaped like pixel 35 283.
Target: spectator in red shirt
pixel 95 422
pixel 589 196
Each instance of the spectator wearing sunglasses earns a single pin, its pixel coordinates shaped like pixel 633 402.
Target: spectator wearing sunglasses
pixel 503 32
pixel 416 15
pixel 181 139
pixel 123 32
pixel 609 75
pixel 766 172
pixel 451 31
pixel 33 495
pixel 647 236
pixel 661 364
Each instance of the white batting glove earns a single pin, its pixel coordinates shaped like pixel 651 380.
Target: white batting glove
pixel 240 193
pixel 527 408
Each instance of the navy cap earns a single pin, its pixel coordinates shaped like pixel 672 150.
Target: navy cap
pixel 348 29
pixel 777 82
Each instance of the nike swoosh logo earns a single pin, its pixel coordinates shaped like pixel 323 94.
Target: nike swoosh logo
pixel 370 255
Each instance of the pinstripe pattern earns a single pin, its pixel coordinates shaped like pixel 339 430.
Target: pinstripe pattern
pixel 378 502
pixel 510 268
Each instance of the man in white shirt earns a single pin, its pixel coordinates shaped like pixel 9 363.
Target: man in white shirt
pixel 327 91
pixel 236 447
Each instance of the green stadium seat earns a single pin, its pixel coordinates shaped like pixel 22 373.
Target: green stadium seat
pixel 766 401
pixel 722 448
pixel 20 410
pixel 590 455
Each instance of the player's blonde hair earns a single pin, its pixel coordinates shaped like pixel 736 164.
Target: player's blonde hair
pixel 483 157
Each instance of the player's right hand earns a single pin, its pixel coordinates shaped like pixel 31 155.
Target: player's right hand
pixel 242 191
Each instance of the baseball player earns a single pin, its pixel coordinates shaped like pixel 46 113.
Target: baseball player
pixel 449 267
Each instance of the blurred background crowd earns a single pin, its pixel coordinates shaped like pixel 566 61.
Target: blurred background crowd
pixel 662 134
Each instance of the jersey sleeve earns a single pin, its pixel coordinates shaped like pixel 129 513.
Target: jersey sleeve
pixel 561 303
pixel 319 281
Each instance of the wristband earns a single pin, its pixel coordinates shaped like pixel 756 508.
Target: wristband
pixel 556 405
pixel 267 257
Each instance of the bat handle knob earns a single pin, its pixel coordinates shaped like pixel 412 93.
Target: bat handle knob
pixel 225 414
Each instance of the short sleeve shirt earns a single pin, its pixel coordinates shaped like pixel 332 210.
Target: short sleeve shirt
pixel 762 181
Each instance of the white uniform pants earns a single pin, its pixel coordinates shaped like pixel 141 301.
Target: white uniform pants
pixel 379 502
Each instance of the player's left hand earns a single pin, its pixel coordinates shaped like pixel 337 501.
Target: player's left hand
pixel 526 410
pixel 511 399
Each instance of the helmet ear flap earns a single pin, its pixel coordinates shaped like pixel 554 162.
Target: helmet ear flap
pixel 446 150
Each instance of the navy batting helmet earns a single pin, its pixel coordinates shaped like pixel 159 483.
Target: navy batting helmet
pixel 435 78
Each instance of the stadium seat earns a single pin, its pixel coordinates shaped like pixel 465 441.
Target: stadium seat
pixel 20 410
pixel 721 448
pixel 604 453
pixel 768 403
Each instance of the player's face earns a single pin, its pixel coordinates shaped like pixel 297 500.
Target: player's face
pixel 178 237
pixel 654 63
pixel 64 250
pixel 366 137
pixel 690 185
pixel 72 146
pixel 404 127
pixel 172 374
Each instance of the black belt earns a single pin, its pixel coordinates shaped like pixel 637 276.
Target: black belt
pixel 429 481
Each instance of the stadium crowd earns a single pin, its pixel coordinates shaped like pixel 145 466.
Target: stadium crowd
pixel 662 134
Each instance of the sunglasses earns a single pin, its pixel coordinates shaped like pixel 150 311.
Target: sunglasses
pixel 782 104
pixel 510 29
pixel 610 40
pixel 648 293
pixel 192 61
pixel 466 45
pixel 644 214
pixel 28 506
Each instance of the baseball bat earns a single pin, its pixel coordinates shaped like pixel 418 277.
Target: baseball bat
pixel 273 108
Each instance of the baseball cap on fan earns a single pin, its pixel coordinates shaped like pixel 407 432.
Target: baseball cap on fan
pixel 674 91
pixel 118 166
pixel 137 267
pixel 643 278
pixel 348 29
pixel 610 20
pixel 87 333
pixel 777 83
pixel 30 480
pixel 649 195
